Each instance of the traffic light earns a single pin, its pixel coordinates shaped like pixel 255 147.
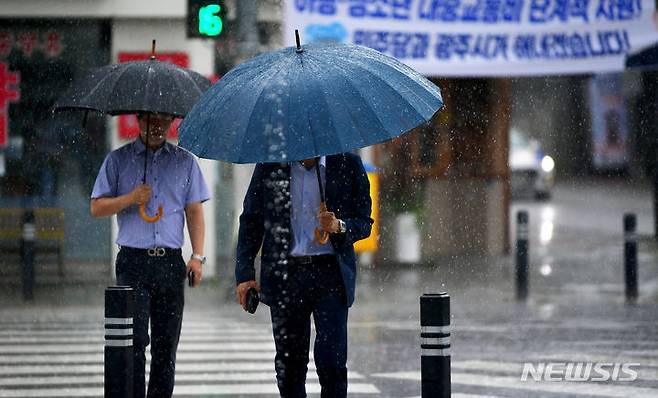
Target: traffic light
pixel 205 18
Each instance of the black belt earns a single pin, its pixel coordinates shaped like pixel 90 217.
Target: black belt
pixel 152 251
pixel 307 260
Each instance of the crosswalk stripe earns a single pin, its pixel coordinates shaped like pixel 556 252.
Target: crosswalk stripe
pixel 208 390
pixel 216 330
pixel 574 388
pixel 219 377
pixel 459 395
pixel 98 338
pixel 66 360
pixel 582 388
pixel 352 388
pixel 16 370
pixel 516 368
pixel 591 357
pixel 181 356
pixel 87 348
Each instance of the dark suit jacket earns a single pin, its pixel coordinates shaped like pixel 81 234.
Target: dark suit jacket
pixel 265 221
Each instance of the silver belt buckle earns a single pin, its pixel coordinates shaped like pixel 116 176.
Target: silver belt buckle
pixel 156 251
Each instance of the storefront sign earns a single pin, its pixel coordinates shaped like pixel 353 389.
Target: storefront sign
pixel 9 92
pixel 484 37
pixel 29 42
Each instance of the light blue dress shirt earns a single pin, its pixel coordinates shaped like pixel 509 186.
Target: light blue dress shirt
pixel 305 197
pixel 175 179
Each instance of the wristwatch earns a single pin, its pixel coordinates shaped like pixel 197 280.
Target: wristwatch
pixel 199 257
pixel 342 227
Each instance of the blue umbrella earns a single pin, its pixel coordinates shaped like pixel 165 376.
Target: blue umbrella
pixel 304 102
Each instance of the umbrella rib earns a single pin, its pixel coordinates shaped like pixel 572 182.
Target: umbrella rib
pixel 103 79
pixel 149 79
pixel 348 109
pixel 308 118
pixel 403 70
pixel 262 88
pixel 320 94
pixel 119 76
pixel 375 76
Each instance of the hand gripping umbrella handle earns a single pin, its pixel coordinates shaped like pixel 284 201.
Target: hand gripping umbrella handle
pixel 146 217
pixel 322 237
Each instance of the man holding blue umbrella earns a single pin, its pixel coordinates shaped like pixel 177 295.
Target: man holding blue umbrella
pixel 298 113
pixel 301 276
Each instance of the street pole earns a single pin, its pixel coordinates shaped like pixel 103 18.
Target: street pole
pixel 27 253
pixel 246 48
pixel 435 345
pixel 630 258
pixel 247 18
pixel 119 359
pixel 522 255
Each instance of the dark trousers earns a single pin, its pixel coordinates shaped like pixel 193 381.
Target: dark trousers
pixel 159 288
pixel 313 289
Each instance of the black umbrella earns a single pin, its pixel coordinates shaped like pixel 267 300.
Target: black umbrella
pixel 135 87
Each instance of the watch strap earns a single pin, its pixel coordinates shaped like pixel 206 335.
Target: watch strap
pixel 199 257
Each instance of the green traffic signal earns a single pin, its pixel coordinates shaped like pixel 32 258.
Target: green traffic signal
pixel 210 23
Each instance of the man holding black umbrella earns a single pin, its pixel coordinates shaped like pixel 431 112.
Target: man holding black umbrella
pixel 300 275
pixel 149 258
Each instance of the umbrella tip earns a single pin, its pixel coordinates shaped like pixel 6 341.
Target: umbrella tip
pixel 299 46
pixel 153 49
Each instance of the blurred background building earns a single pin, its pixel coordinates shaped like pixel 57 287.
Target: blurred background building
pixel 448 182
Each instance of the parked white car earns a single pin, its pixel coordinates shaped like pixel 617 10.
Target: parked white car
pixel 533 172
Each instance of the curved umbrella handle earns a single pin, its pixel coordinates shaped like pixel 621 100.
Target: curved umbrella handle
pixel 322 237
pixel 146 217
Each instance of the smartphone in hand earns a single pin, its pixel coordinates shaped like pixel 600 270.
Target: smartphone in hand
pixel 252 300
pixel 190 279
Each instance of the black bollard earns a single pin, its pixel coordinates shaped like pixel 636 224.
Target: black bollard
pixel 27 253
pixel 119 312
pixel 435 345
pixel 522 255
pixel 630 257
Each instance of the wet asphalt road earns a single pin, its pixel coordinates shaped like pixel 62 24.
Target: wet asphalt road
pixel 575 313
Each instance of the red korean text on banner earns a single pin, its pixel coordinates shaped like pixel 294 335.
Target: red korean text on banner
pixel 6 43
pixel 28 42
pixel 128 128
pixel 9 92
pixel 52 45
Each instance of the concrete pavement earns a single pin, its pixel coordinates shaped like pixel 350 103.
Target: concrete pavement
pixel 575 313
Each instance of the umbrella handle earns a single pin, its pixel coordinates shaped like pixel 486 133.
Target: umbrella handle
pixel 146 217
pixel 322 237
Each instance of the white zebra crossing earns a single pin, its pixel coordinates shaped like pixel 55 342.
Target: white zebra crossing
pixel 513 381
pixel 217 358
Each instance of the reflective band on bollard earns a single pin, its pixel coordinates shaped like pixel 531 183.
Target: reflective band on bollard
pixel 435 345
pixel 119 312
pixel 522 255
pixel 630 258
pixel 27 253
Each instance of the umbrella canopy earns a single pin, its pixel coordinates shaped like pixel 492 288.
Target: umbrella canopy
pixel 305 102
pixel 137 86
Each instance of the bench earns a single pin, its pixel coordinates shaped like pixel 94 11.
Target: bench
pixel 49 233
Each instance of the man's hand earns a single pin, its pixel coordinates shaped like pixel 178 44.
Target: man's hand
pixel 141 194
pixel 241 292
pixel 328 221
pixel 194 265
